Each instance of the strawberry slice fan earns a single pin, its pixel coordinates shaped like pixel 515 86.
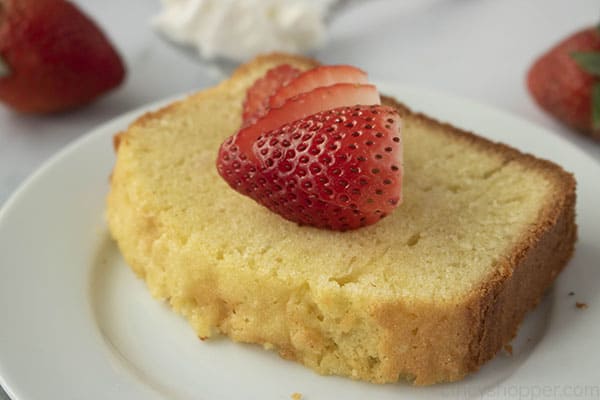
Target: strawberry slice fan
pixel 317 148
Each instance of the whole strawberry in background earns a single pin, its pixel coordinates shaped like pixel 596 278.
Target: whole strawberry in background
pixel 53 57
pixel 566 81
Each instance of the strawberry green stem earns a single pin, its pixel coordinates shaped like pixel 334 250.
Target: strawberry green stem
pixel 4 69
pixel 596 106
pixel 588 61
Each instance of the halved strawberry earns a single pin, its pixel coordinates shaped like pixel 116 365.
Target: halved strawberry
pixel 305 104
pixel 257 97
pixel 338 169
pixel 325 75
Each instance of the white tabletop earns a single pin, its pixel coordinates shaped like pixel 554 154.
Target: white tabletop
pixel 476 49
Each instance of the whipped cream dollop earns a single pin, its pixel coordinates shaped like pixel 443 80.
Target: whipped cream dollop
pixel 239 29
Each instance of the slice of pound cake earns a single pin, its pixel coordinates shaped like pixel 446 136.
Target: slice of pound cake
pixel 427 294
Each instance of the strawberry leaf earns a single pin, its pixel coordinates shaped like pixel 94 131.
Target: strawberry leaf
pixel 4 70
pixel 596 106
pixel 589 61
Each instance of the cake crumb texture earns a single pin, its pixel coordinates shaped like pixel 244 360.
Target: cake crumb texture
pixel 427 294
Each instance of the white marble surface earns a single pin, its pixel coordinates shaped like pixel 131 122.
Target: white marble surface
pixel 476 49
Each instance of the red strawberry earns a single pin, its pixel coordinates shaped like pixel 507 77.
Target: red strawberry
pixel 305 104
pixel 257 97
pixel 325 75
pixel 338 169
pixel 565 81
pixel 55 57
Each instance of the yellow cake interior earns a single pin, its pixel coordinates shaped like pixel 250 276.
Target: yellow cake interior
pixel 230 265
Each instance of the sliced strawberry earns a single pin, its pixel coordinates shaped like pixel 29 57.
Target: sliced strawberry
pixel 305 104
pixel 257 97
pixel 338 169
pixel 326 75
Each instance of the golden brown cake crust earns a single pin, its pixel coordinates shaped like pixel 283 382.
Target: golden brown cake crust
pixel 493 313
pixel 423 342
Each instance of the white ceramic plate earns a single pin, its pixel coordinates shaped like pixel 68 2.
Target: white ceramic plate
pixel 76 324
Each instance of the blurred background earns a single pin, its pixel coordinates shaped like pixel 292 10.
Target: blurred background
pixel 476 49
